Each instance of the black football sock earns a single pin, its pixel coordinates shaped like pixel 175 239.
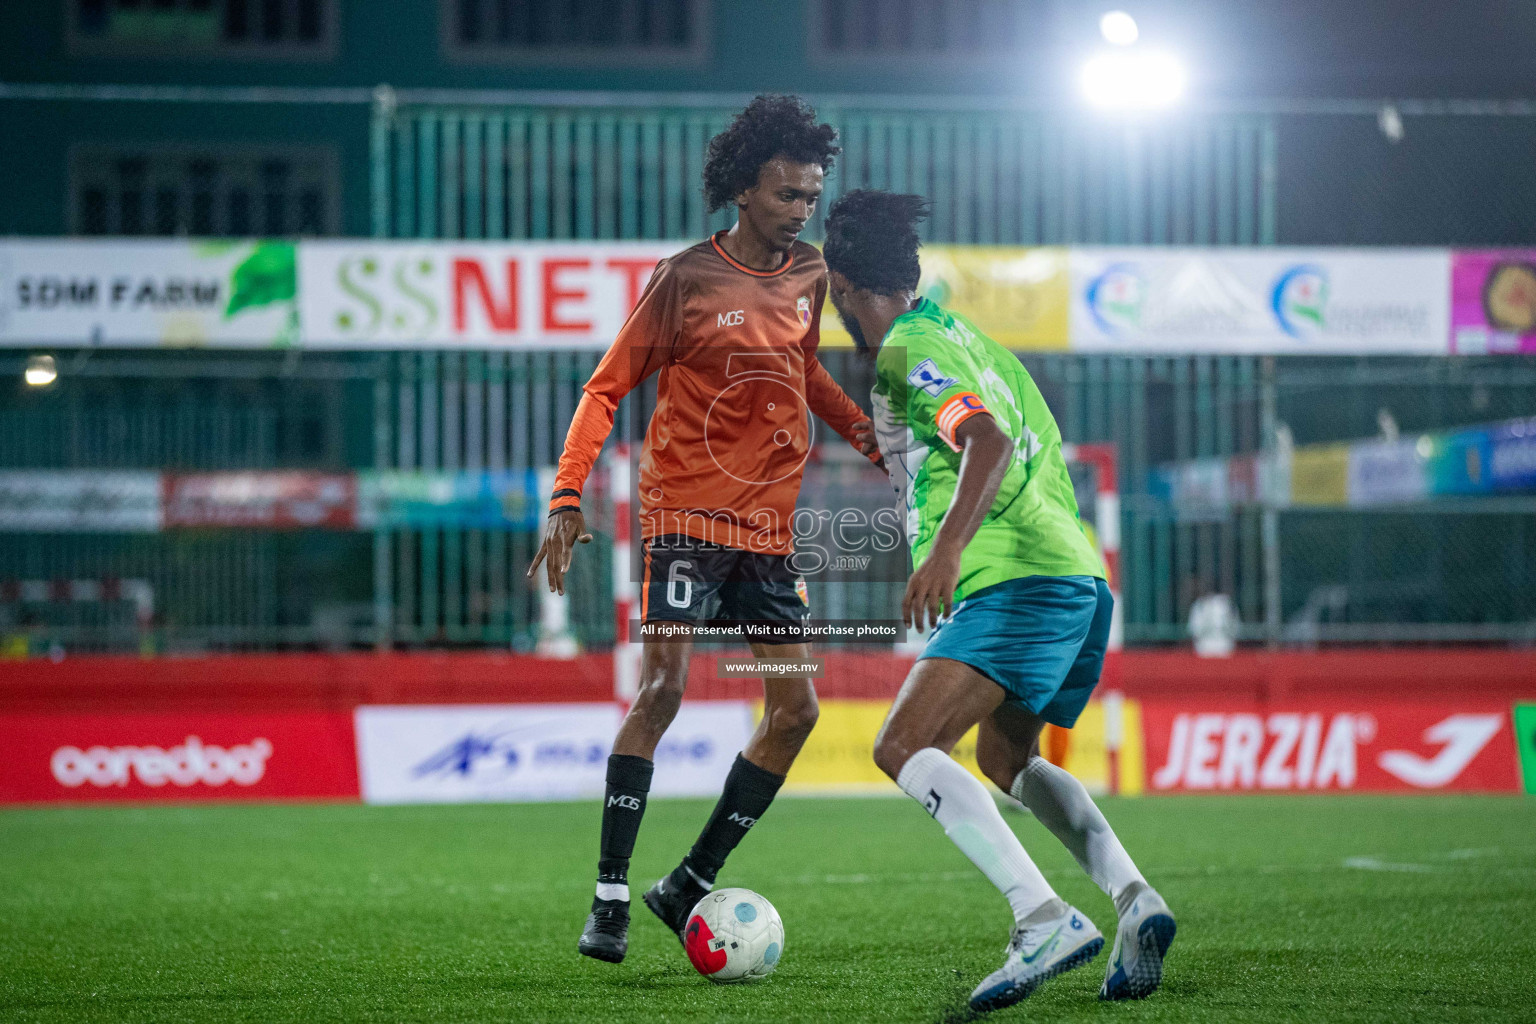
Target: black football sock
pixel 748 792
pixel 629 781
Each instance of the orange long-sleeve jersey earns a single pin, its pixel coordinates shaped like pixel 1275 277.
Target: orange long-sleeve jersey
pixel 736 353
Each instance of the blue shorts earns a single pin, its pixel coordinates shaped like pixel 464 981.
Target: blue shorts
pixel 1041 638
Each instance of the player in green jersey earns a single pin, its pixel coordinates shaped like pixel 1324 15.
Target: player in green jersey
pixel 1017 595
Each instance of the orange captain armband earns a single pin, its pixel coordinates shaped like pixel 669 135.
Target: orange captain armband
pixel 955 411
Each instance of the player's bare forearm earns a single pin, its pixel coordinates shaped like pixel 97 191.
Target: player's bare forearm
pixel 985 454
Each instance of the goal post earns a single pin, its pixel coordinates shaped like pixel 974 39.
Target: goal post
pixel 1102 461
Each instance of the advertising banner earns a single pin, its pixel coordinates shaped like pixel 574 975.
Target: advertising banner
pixel 1198 490
pixel 517 752
pixel 105 501
pixel 1320 475
pixel 527 295
pixel 1525 737
pixel 839 756
pixel 1388 472
pixel 1371 747
pixel 1017 296
pixel 65 501
pixel 1512 458
pixel 472 500
pixel 1460 462
pixel 1493 301
pixel 1250 301
pixel 268 500
pixel 132 293
pixel 214 756
pixel 384 294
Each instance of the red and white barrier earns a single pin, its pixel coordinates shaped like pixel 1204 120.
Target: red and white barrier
pixel 493 726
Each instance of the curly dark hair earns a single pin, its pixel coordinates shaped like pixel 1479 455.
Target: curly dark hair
pixel 770 126
pixel 872 239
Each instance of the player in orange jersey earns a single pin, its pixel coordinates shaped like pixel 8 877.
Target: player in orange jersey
pixel 731 327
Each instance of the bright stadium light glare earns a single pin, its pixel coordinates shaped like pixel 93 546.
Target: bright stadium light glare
pixel 1119 28
pixel 41 371
pixel 1136 80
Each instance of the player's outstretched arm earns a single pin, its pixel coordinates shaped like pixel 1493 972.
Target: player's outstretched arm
pixel 639 351
pixel 985 456
pixel 562 532
pixel 832 405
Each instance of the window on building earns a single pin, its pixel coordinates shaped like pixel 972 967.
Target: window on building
pixel 282 28
pixel 575 30
pixel 982 28
pixel 207 192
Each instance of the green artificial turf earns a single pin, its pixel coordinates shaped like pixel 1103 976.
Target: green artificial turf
pixel 1289 909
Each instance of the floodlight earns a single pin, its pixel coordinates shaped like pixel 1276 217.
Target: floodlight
pixel 41 371
pixel 1119 28
pixel 1134 80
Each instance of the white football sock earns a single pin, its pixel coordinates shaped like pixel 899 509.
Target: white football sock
pixel 610 891
pixel 1064 806
pixel 961 804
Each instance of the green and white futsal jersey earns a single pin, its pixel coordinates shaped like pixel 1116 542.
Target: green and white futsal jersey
pixel 934 371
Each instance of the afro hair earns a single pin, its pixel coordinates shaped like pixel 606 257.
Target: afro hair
pixel 770 126
pixel 872 239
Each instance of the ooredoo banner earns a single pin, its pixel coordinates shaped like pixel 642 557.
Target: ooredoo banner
pixel 1369 747
pixel 138 757
pixel 516 752
pixel 1252 301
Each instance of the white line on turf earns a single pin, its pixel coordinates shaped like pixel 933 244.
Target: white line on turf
pixel 1377 864
pixel 1372 864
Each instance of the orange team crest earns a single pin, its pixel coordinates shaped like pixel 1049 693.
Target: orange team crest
pixel 802 592
pixel 803 310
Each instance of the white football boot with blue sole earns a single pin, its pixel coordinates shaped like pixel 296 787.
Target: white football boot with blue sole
pixel 1141 942
pixel 1036 954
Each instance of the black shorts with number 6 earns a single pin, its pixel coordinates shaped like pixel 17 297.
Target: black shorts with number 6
pixel 689 580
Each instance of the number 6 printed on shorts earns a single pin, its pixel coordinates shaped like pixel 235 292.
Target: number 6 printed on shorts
pixel 675 597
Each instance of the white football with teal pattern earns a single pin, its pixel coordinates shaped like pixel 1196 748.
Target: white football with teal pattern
pixel 734 935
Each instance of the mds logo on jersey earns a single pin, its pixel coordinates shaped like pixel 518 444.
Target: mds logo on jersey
pixel 733 318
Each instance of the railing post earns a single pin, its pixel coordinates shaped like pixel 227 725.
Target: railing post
pixel 1268 425
pixel 383 119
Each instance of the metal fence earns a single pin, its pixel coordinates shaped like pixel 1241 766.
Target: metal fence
pixel 631 169
pixel 994 177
